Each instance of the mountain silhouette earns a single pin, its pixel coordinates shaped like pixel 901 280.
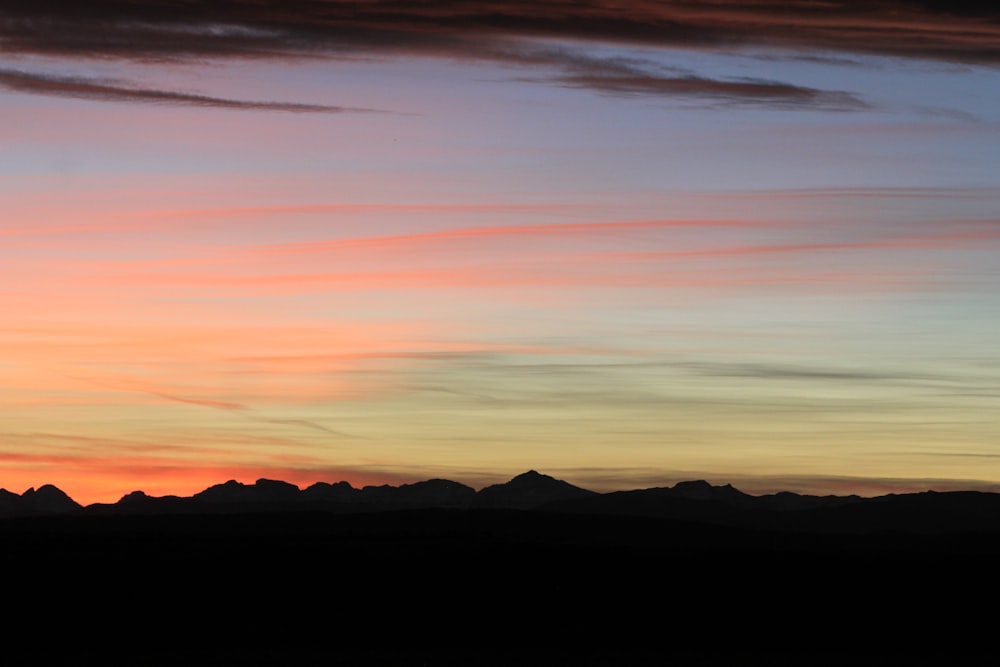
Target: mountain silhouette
pixel 341 492
pixel 47 499
pixel 430 493
pixel 652 576
pixel 702 490
pixel 262 492
pixel 695 501
pixel 529 490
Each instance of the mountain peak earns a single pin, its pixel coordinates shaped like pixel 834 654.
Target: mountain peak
pixel 531 475
pixel 529 489
pixel 261 491
pixel 273 489
pixel 693 484
pixel 701 490
pixel 47 499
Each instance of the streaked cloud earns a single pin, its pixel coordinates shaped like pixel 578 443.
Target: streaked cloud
pixel 511 33
pixel 142 29
pixel 523 230
pixel 114 91
pixel 629 77
pixel 732 91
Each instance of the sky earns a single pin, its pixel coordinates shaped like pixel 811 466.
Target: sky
pixel 622 243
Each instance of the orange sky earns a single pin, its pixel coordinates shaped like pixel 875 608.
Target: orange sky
pixel 623 248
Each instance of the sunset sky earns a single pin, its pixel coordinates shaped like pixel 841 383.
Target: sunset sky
pixel 624 244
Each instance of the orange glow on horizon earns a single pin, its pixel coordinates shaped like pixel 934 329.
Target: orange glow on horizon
pixel 89 481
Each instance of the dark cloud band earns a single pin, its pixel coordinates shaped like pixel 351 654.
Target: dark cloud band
pixel 110 91
pixel 176 30
pixel 962 31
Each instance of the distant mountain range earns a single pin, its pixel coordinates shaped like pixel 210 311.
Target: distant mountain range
pixel 694 501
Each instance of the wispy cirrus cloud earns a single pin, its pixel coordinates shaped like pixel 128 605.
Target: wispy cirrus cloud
pixel 115 91
pixel 629 77
pixel 499 231
pixel 249 412
pixel 738 91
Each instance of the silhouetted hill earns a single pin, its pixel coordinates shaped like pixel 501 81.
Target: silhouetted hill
pixel 529 490
pixel 702 490
pixel 9 502
pixel 341 492
pixel 925 512
pixel 431 493
pixel 268 574
pixel 276 496
pixel 694 501
pixel 721 505
pixel 47 499
pixel 262 492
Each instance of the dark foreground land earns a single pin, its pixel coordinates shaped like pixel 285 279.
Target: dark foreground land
pixel 481 586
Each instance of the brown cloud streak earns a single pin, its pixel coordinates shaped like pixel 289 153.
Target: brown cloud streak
pixel 960 31
pixel 91 89
pixel 492 31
